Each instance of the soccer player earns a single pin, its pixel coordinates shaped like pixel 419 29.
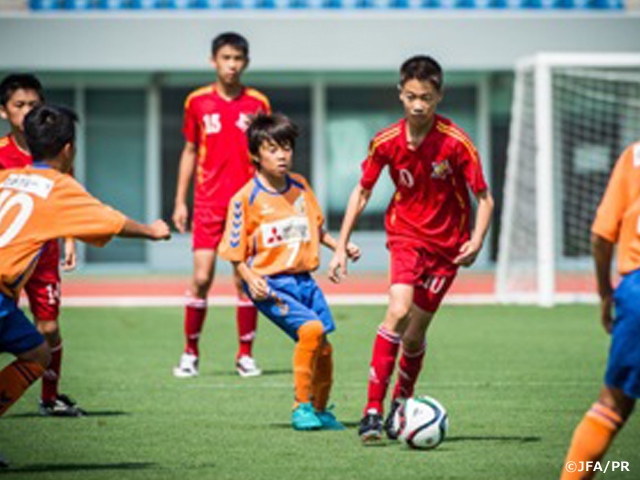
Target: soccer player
pixel 617 222
pixel 215 121
pixel 40 203
pixel 19 93
pixel 272 236
pixel 432 162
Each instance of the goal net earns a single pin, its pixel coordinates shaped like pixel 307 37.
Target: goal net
pixel 572 116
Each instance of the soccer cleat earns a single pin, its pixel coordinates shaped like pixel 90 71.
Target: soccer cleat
pixel 391 432
pixel 246 367
pixel 62 406
pixel 370 428
pixel 329 420
pixel 188 366
pixel 304 418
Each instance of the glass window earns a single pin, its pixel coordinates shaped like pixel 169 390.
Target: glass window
pixel 115 163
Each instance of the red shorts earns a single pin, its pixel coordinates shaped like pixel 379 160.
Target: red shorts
pixel 43 288
pixel 429 274
pixel 208 227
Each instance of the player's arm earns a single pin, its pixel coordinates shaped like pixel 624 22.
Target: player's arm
pixel 157 230
pixel 70 254
pixel 258 286
pixel 353 251
pixel 185 173
pixel 357 203
pixel 470 249
pixel 602 251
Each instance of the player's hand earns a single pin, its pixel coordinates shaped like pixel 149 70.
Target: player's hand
pixel 468 253
pixel 70 255
pixel 606 308
pixel 258 287
pixel 338 266
pixel 353 252
pixel 180 216
pixel 160 230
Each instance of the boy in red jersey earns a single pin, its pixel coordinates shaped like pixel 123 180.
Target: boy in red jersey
pixel 19 93
pixel 432 164
pixel 30 198
pixel 216 118
pixel 617 222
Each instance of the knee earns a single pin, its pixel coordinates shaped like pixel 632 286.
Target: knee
pixel 311 334
pixel 398 312
pixel 50 331
pixel 202 281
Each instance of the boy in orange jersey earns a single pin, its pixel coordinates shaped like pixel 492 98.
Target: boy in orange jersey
pixel 39 203
pixel 433 164
pixel 19 93
pixel 215 121
pixel 617 222
pixel 274 228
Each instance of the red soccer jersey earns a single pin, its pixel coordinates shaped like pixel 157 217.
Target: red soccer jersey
pixel 11 156
pixel 217 127
pixel 431 205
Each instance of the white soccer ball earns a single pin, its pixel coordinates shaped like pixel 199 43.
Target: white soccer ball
pixel 421 422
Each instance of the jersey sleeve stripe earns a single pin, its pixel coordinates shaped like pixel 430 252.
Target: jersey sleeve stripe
pixel 461 137
pixel 252 92
pixel 384 138
pixel 196 93
pixel 4 141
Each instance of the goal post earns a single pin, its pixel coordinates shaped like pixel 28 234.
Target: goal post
pixel 572 116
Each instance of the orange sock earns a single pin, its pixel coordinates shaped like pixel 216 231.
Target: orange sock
pixel 304 356
pixel 15 379
pixel 591 440
pixel 322 377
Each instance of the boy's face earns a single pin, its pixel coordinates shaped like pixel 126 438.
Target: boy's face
pixel 274 159
pixel 229 63
pixel 20 103
pixel 420 100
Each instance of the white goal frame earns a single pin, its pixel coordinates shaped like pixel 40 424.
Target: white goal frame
pixel 542 65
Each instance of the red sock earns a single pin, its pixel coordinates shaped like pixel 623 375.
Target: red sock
pixel 383 359
pixel 408 371
pixel 194 314
pixel 51 376
pixel 247 320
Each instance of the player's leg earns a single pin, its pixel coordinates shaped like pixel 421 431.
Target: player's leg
pixel 204 262
pixel 607 416
pixel 383 359
pixel 19 337
pixel 322 376
pixel 247 322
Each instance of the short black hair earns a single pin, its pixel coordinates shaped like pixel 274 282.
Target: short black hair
pixel 17 81
pixel 47 129
pixel 272 128
pixel 423 68
pixel 232 39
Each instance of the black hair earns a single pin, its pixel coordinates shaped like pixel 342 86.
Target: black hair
pixel 423 68
pixel 275 128
pixel 231 39
pixel 47 129
pixel 17 81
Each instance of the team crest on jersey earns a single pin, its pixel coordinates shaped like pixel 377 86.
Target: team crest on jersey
pixel 300 206
pixel 243 122
pixel 288 230
pixel 441 169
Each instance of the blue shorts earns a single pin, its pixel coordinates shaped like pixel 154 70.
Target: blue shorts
pixel 17 333
pixel 623 367
pixel 300 301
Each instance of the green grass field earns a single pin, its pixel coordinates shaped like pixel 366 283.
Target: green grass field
pixel 515 381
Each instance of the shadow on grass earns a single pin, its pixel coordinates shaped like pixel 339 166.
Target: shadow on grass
pixel 493 438
pixel 90 413
pixel 76 467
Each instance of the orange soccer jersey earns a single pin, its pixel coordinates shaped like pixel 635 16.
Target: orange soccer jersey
pixel 618 217
pixel 40 204
pixel 274 232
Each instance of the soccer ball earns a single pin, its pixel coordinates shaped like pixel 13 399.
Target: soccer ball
pixel 421 422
